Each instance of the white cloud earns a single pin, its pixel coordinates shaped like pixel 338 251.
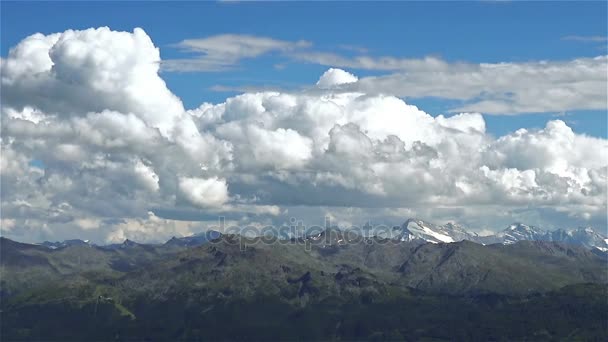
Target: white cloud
pixel 110 143
pixel 258 147
pixel 491 88
pixel 148 229
pixel 385 63
pixel 333 77
pixel 585 39
pixel 503 88
pixel 146 175
pixel 222 52
pixel 211 192
pixel 100 69
pixel 375 150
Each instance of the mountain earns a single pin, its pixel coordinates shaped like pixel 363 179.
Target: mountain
pixel 416 229
pixel 314 288
pixel 520 232
pixel 65 243
pixel 412 230
pixel 125 244
pixel 584 236
pixel 193 240
pixel 457 268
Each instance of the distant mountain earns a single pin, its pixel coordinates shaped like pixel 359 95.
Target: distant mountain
pixel 193 240
pixel 412 229
pixel 416 229
pixel 424 266
pixel 329 236
pixel 584 236
pixel 65 243
pixel 187 241
pixel 129 245
pixel 521 232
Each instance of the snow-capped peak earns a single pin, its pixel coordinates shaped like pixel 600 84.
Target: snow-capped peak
pixel 65 243
pixel 518 232
pixel 416 229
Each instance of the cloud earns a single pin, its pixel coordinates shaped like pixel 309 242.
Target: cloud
pixel 211 192
pixel 223 52
pixel 355 48
pixel 90 106
pixel 504 88
pixel 334 77
pixel 372 150
pixel 364 62
pixel 491 88
pixel 146 228
pixel 95 146
pixel 586 39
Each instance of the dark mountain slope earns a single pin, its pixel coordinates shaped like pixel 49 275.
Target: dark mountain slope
pixel 239 288
pixel 523 267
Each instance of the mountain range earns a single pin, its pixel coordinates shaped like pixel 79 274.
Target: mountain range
pixel 416 229
pixel 317 287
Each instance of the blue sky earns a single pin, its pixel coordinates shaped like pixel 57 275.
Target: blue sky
pixel 475 32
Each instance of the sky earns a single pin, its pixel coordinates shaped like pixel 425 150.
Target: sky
pixel 144 121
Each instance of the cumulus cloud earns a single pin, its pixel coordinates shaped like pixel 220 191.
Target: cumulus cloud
pixel 203 192
pixel 100 69
pixel 371 150
pixel 95 145
pixel 145 229
pixel 333 77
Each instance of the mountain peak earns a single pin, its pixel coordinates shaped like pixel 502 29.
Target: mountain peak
pixel 330 235
pixel 194 240
pixel 518 231
pixel 65 243
pixel 416 229
pixel 129 243
pixel 522 226
pixel 414 220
